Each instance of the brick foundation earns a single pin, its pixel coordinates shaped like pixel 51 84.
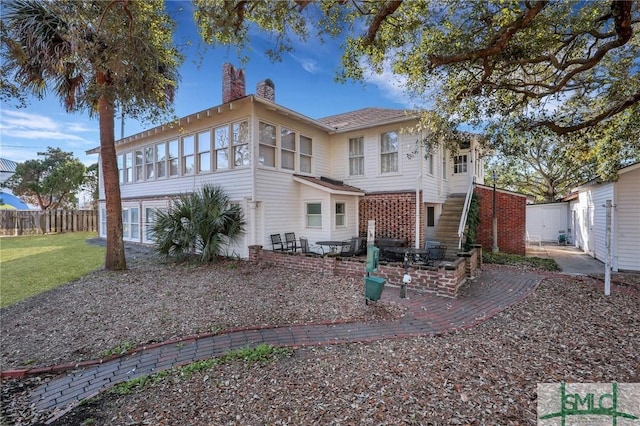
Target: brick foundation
pixel 444 279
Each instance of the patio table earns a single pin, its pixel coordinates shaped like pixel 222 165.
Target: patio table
pixel 334 246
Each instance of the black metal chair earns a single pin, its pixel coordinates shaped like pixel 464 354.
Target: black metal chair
pixel 436 253
pixel 349 248
pixel 290 241
pixel 306 249
pixel 276 242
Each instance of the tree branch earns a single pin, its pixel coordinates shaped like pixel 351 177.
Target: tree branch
pixel 563 130
pixel 497 45
pixel 382 14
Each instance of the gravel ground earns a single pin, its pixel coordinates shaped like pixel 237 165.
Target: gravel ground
pixel 488 374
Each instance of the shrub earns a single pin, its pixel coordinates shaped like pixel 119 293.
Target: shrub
pixel 199 223
pixel 517 260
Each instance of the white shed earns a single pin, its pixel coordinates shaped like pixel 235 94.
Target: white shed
pixel 588 219
pixel 547 220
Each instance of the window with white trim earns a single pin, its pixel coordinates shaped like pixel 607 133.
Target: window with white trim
pixel 161 160
pixel 306 152
pixel 130 223
pixel 313 215
pixel 173 158
pixel 444 164
pixel 149 160
pixel 204 151
pixel 125 167
pixel 287 149
pixel 341 215
pixel 429 163
pixel 460 164
pixel 267 142
pixel 240 144
pixel 150 217
pixel 389 152
pixel 103 222
pixel 188 160
pixel 356 156
pixel 139 154
pixel 221 145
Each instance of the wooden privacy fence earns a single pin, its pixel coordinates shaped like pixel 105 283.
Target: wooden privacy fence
pixel 26 222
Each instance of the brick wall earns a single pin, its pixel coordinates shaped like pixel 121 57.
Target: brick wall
pixel 444 279
pixel 511 214
pixel 394 213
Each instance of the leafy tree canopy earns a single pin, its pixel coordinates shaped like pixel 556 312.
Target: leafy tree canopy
pixel 63 46
pixel 541 165
pixel 94 55
pixel 50 182
pixel 568 67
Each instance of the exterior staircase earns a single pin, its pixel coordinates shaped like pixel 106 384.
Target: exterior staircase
pixel 447 229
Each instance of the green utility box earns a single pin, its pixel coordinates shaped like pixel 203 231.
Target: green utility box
pixel 373 287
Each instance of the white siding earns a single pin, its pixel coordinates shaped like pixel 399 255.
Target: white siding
pixel 627 221
pixel 590 219
pixel 373 180
pixel 283 208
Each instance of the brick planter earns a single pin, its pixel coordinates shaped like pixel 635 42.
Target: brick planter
pixel 444 279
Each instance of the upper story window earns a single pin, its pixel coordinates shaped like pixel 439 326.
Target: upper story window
pixel 305 154
pixel 287 149
pixel 221 144
pixel 267 142
pixel 139 159
pixel 241 144
pixel 204 151
pixel 173 157
pixel 356 156
pixel 161 158
pixel 429 163
pixel 188 161
pixel 444 164
pixel 125 167
pixel 460 164
pixel 149 160
pixel 389 152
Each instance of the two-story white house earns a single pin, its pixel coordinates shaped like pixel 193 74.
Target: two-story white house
pixel 320 178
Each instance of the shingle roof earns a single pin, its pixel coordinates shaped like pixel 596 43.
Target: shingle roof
pixel 329 184
pixel 366 117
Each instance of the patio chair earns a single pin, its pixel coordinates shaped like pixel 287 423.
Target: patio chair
pixel 290 241
pixel 436 253
pixel 276 242
pixel 306 249
pixel 349 248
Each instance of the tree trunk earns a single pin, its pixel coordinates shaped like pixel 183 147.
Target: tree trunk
pixel 115 257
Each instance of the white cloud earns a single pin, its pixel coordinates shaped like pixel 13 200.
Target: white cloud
pixel 24 125
pixel 308 64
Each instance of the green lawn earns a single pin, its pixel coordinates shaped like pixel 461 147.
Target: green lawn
pixel 34 264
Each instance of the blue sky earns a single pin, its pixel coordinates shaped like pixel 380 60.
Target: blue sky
pixel 304 82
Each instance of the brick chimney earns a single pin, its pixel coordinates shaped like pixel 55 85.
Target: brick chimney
pixel 266 90
pixel 233 85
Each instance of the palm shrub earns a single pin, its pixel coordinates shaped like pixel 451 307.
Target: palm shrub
pixel 198 224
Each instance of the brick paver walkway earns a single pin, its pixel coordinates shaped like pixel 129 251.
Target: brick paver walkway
pixel 491 293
